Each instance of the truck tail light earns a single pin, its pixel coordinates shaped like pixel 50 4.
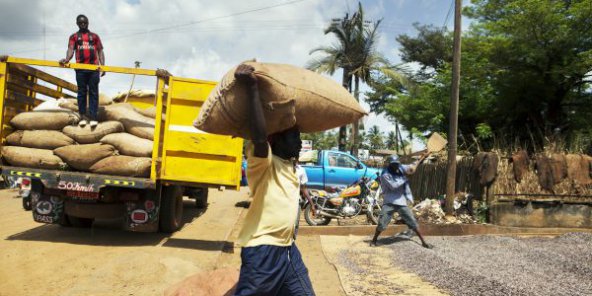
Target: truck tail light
pixel 26 182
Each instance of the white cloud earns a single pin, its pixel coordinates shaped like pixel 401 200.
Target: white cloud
pixel 198 38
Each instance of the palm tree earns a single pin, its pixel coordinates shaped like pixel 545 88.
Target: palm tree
pixel 375 139
pixel 367 60
pixel 338 55
pixel 355 53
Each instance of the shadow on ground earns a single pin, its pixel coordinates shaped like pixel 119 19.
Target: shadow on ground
pixel 110 233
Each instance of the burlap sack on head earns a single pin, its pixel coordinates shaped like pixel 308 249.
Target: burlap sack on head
pixel 130 145
pixel 88 135
pixel 122 165
pixel 82 157
pixel 133 122
pixel 289 96
pixel 32 158
pixel 44 120
pixel 39 139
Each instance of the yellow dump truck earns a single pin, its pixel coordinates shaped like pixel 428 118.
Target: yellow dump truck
pixel 185 161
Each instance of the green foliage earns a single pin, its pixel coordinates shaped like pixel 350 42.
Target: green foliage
pixel 484 131
pixel 525 73
pixel 321 140
pixel 375 139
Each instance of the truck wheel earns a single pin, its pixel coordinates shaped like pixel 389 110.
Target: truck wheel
pixel 80 222
pixel 171 209
pixel 27 203
pixel 201 197
pixel 316 220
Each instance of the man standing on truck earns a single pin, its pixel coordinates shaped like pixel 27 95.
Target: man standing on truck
pixel 396 190
pixel 89 50
pixel 271 263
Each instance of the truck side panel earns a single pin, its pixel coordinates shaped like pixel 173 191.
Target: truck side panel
pixel 190 155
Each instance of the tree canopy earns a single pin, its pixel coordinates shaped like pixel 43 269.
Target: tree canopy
pixel 525 75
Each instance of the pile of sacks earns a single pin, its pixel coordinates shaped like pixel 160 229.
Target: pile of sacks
pixel 50 138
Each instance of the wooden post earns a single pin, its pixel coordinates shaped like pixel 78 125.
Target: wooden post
pixel 453 124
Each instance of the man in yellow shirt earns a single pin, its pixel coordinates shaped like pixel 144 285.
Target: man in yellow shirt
pixel 270 261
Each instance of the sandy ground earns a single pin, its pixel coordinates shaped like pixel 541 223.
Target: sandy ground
pixel 39 259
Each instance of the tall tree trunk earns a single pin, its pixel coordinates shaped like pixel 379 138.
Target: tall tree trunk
pixel 342 140
pixel 356 124
pixel 397 136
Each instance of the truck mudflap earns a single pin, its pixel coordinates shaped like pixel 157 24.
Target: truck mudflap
pixel 143 216
pixel 47 209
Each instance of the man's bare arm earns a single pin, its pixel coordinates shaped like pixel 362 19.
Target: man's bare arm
pixel 69 55
pixel 244 74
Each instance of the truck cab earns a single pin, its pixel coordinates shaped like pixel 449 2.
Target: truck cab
pixel 328 169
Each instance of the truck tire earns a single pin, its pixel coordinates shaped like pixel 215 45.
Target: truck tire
pixel 27 203
pixel 201 197
pixel 314 221
pixel 171 209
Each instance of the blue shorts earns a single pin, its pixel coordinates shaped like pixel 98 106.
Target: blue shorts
pixel 273 270
pixel 387 214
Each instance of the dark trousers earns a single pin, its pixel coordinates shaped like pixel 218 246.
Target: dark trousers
pixel 88 83
pixel 273 270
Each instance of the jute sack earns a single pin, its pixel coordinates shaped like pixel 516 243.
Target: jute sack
pixel 32 158
pixel 44 120
pixel 70 104
pixel 147 96
pixel 39 139
pixel 289 96
pixel 133 122
pixel 122 165
pixel 88 135
pixel 149 112
pixel 105 100
pixel 128 144
pixel 578 169
pixel 82 157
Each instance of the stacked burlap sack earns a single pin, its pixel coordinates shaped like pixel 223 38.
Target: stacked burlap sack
pixel 289 95
pixel 50 138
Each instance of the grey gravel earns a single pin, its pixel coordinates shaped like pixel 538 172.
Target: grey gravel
pixel 496 265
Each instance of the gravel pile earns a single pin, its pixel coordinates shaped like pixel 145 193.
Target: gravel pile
pixel 495 265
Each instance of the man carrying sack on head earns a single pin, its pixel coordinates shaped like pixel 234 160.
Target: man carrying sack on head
pixel 89 50
pixel 271 263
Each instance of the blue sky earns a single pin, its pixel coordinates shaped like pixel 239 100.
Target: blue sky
pixel 202 39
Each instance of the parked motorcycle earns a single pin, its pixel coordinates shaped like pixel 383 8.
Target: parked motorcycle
pixel 358 198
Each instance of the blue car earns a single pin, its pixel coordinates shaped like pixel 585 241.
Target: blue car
pixel 328 169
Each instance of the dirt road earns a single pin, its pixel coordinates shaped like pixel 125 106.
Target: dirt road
pixel 42 259
pixel 38 259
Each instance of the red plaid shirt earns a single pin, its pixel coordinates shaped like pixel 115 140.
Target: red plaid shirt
pixel 86 46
